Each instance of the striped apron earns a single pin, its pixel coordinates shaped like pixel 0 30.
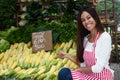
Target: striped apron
pixel 89 58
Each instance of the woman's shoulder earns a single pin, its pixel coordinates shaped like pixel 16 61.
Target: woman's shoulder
pixel 86 37
pixel 105 35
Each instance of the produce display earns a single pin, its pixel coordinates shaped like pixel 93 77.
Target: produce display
pixel 20 63
pixel 4 45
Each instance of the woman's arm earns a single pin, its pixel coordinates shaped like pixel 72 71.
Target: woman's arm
pixel 73 59
pixel 69 56
pixel 84 69
pixel 102 52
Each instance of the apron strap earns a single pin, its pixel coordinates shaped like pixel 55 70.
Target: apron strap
pixel 96 39
pixel 94 45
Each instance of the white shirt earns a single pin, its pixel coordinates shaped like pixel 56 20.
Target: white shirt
pixel 102 52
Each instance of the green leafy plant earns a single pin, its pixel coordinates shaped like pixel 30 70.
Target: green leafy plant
pixel 101 5
pixel 117 4
pixel 7 10
pixel 4 45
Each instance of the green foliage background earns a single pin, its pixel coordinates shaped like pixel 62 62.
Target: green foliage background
pixel 63 28
pixel 101 6
pixel 7 10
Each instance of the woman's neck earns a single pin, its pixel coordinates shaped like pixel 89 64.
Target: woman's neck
pixel 92 35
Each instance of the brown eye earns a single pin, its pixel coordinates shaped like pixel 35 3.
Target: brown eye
pixel 88 17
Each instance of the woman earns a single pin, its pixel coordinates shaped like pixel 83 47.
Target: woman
pixel 93 50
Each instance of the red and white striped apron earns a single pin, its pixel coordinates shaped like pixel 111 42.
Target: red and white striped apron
pixel 89 58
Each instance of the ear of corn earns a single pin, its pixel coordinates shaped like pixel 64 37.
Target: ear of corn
pixel 14 65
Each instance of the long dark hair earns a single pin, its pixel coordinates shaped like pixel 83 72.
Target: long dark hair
pixel 82 32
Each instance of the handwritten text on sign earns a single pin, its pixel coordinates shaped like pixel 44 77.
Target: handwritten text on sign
pixel 42 40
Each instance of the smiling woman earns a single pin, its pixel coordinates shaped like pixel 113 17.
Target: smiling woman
pixel 92 54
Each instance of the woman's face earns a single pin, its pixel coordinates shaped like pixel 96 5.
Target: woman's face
pixel 88 21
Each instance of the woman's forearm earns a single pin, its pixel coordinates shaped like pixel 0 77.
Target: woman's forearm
pixel 84 69
pixel 69 56
pixel 73 59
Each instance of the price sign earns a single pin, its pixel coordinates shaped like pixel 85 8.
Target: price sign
pixel 42 41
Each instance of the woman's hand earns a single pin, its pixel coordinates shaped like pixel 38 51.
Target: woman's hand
pixel 62 55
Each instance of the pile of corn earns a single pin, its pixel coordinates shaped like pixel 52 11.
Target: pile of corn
pixel 19 62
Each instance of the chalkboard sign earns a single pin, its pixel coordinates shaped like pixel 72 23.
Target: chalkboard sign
pixel 42 41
